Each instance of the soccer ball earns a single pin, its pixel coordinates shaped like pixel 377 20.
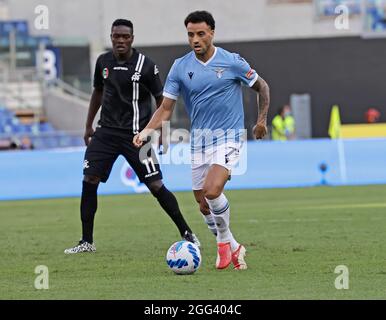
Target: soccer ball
pixel 183 257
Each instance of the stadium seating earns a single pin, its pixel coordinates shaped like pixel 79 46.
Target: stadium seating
pixel 22 94
pixel 42 135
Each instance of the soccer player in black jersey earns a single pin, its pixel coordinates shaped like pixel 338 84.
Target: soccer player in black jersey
pixel 124 81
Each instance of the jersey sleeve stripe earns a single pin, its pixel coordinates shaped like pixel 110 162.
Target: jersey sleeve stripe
pixel 253 80
pixel 170 96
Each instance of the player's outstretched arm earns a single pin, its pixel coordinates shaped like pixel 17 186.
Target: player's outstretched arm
pixel 163 147
pixel 95 104
pixel 260 129
pixel 163 113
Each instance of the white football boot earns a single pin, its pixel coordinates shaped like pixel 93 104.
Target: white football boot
pixel 82 246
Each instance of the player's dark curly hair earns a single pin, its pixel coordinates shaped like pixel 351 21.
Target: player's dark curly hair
pixel 200 16
pixel 123 22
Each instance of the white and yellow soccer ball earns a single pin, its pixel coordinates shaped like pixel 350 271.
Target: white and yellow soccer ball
pixel 183 257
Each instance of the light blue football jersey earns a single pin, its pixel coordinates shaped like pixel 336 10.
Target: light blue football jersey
pixel 212 94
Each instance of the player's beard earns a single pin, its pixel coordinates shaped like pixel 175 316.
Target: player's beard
pixel 202 51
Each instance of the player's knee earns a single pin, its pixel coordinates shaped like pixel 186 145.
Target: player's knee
pixel 212 192
pixel 91 179
pixel 154 187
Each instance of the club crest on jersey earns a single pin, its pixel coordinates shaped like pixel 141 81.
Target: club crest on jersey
pixel 136 76
pixel 105 73
pixel 190 74
pixel 219 72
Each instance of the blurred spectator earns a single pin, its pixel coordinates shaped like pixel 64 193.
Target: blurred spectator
pixel 7 144
pixel 4 144
pixel 283 124
pixel 25 143
pixel 372 115
pixel 289 122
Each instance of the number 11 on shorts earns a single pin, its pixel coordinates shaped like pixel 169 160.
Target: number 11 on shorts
pixel 149 162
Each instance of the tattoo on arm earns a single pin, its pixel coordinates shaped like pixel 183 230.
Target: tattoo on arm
pixel 263 89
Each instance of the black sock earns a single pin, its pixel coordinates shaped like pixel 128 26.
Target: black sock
pixel 88 207
pixel 169 203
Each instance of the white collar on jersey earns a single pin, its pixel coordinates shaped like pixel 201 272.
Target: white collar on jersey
pixel 210 59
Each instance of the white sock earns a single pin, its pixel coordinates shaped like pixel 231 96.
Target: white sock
pixel 234 244
pixel 221 212
pixel 209 220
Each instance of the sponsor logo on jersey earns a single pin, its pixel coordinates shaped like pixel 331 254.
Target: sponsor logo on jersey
pixel 190 74
pixel 156 71
pixel 105 73
pixel 121 68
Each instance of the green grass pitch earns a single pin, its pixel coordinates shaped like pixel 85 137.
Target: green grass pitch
pixel 294 238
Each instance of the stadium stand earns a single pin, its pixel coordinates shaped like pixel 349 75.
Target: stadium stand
pixel 14 134
pixel 25 122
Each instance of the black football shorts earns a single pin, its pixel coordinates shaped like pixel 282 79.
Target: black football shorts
pixel 107 144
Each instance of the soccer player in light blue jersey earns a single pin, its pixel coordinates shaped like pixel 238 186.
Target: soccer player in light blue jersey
pixel 209 79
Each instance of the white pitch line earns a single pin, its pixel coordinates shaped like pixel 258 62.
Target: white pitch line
pixel 344 206
pixel 299 220
pixel 308 220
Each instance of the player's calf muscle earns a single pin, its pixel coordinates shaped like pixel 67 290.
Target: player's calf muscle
pixel 204 208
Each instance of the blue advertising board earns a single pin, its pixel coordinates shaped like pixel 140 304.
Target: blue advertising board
pixel 267 164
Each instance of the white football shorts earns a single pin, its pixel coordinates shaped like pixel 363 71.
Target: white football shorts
pixel 226 155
